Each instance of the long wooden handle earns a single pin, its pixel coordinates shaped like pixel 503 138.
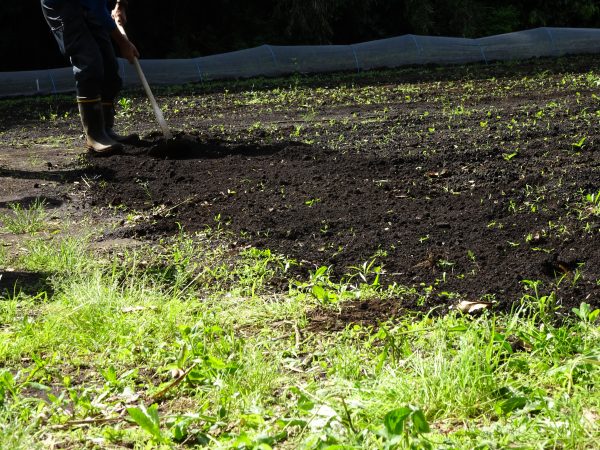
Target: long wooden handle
pixel 157 112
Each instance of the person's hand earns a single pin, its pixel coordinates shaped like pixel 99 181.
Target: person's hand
pixel 126 47
pixel 128 50
pixel 119 14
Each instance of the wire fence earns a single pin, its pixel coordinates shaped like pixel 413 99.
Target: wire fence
pixel 270 60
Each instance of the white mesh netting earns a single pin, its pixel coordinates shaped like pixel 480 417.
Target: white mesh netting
pixel 269 60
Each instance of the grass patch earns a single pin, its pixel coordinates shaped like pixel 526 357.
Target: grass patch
pixel 25 220
pixel 165 347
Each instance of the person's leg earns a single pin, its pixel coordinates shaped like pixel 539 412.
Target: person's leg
pixel 69 26
pixel 111 82
pixel 108 109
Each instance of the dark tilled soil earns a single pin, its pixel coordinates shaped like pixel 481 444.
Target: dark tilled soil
pixel 325 208
pixel 422 181
pixel 367 313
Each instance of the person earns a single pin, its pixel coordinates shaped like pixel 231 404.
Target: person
pixel 83 30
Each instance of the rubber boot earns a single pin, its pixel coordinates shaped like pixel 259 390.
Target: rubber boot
pixel 108 110
pixel 92 119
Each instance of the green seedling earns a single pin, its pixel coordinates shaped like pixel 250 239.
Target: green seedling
pixel 125 106
pixel 256 126
pixel 297 131
pixel 471 255
pixel 145 185
pixel 445 264
pixel 312 201
pixel 580 143
pixel 365 272
pixel 592 203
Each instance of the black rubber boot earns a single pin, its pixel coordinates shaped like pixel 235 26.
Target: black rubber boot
pixel 92 119
pixel 108 109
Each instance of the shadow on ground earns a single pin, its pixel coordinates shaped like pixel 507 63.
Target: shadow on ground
pixel 28 201
pixel 59 176
pixel 192 147
pixel 29 283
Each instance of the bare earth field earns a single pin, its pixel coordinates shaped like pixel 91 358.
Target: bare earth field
pixel 456 182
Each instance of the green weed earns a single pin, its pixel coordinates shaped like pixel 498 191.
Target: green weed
pixel 57 255
pixel 25 220
pixel 590 205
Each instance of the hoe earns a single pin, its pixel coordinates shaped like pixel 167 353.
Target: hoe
pixel 170 145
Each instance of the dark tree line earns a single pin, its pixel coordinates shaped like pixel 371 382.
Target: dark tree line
pixel 184 28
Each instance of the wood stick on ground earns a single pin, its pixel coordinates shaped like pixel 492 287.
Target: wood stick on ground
pixel 173 384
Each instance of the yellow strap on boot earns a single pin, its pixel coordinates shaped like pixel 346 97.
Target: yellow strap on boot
pixel 87 100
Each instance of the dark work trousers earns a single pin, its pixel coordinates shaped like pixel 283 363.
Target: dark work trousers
pixel 83 39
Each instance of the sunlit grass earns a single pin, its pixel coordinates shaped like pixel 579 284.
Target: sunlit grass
pixel 25 220
pixel 252 372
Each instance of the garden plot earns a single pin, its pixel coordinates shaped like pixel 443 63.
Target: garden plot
pixel 456 188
